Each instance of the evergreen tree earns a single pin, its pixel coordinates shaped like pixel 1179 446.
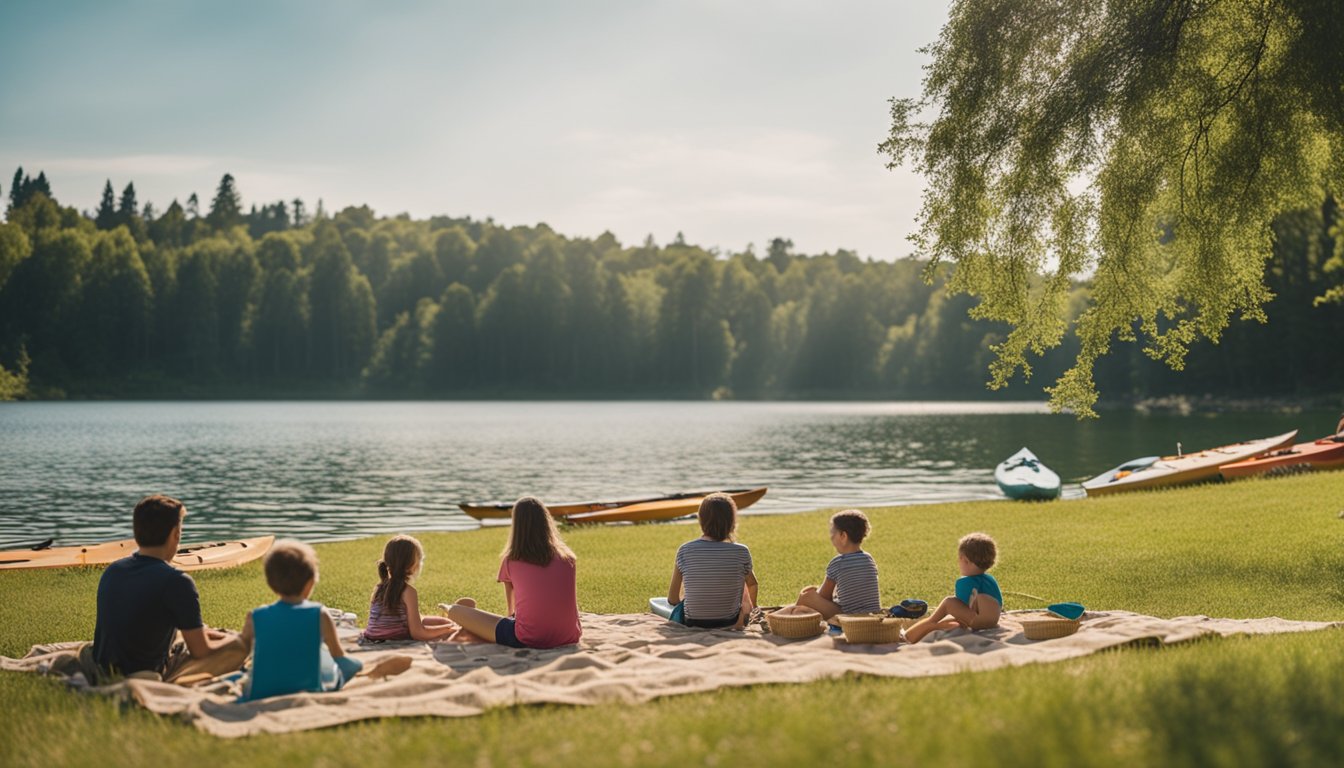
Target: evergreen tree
pixel 16 190
pixel 226 210
pixel 106 217
pixel 127 206
pixel 193 210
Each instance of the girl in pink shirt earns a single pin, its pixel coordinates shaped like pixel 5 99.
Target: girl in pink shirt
pixel 539 577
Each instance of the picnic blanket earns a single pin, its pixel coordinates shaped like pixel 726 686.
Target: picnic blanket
pixel 634 658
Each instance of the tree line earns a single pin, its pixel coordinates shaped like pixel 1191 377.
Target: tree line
pixel 275 301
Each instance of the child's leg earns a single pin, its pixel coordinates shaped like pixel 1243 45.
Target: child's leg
pixel 477 622
pixel 436 622
pixel 939 619
pixel 811 598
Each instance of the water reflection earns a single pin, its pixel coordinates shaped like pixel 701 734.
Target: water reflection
pixel 336 470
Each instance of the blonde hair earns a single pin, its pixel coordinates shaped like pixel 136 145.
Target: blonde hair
pixel 400 555
pixel 980 549
pixel 533 537
pixel 289 566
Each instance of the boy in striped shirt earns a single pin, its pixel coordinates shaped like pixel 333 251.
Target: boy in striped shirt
pixel 851 576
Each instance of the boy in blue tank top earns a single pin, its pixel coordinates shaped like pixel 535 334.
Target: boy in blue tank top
pixel 295 648
pixel 978 602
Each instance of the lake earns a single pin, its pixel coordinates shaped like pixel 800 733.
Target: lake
pixel 333 470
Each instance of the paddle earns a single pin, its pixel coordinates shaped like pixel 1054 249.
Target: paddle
pixel 1070 611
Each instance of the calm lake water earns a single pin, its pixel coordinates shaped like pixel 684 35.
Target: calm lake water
pixel 323 471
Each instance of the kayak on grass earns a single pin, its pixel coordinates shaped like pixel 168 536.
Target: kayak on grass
pixel 190 557
pixel 1324 454
pixel 1023 476
pixel 1163 471
pixel 743 497
pixel 664 509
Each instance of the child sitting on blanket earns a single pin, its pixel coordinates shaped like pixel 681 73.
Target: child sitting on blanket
pixel 714 571
pixel 394 609
pixel 295 648
pixel 539 575
pixel 978 602
pixel 851 576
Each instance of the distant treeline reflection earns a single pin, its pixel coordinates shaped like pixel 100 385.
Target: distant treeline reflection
pixel 130 301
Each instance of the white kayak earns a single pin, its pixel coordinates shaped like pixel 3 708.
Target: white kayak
pixel 1023 476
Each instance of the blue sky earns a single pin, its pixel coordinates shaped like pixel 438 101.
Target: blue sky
pixel 731 122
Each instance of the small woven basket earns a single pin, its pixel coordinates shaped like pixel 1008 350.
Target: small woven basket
pixel 874 628
pixel 1046 627
pixel 795 626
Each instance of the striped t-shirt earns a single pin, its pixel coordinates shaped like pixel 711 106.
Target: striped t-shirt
pixel 712 575
pixel 855 577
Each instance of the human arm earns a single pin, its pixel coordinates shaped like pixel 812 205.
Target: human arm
pixel 508 597
pixel 415 624
pixel 674 587
pixel 751 588
pixel 248 631
pixel 201 642
pixel 827 589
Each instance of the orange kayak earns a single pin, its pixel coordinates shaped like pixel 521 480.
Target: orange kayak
pixel 503 510
pixel 1180 470
pixel 667 509
pixel 192 557
pixel 1323 454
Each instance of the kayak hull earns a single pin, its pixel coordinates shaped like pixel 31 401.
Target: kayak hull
pixel 1194 467
pixel 1324 454
pixel 503 511
pixel 193 557
pixel 1022 477
pixel 668 509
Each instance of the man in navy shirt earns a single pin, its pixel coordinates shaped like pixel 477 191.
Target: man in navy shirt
pixel 143 602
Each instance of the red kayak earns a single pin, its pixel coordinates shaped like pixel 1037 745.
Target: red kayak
pixel 1326 453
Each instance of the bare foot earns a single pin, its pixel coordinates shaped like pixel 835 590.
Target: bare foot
pixel 465 602
pixel 387 666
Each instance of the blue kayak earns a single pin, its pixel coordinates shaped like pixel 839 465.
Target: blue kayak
pixel 1023 476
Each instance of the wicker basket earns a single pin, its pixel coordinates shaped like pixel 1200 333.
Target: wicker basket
pixel 795 626
pixel 875 628
pixel 1046 627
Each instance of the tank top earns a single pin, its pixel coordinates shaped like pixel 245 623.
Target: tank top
pixel 385 624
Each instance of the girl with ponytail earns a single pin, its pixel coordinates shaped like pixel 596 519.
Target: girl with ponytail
pixel 394 610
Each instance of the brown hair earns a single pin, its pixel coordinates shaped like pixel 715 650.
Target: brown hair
pixel 289 566
pixel 980 549
pixel 154 519
pixel 400 555
pixel 718 516
pixel 853 524
pixel 533 537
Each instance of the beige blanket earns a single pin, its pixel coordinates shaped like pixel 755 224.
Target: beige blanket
pixel 634 658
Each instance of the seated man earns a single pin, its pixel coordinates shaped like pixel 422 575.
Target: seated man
pixel 143 601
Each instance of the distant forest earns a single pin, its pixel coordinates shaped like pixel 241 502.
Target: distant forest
pixel 278 300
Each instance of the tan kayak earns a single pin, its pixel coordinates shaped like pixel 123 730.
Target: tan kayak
pixel 667 509
pixel 193 557
pixel 504 510
pixel 1179 470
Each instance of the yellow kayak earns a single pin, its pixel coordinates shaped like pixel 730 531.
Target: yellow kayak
pixel 192 557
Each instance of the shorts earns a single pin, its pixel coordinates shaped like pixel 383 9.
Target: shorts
pixel 711 623
pixel 506 634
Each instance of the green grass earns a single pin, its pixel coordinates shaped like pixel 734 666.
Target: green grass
pixel 1248 549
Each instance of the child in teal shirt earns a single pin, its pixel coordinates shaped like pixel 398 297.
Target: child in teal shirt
pixel 977 602
pixel 295 645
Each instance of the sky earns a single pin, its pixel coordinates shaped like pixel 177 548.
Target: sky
pixel 730 122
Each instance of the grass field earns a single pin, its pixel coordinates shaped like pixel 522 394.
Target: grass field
pixel 1247 549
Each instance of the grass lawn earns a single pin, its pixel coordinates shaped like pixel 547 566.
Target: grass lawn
pixel 1246 549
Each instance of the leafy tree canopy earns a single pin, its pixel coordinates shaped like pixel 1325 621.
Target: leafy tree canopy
pixel 1148 145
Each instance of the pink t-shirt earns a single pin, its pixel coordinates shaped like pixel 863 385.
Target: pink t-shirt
pixel 545 602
